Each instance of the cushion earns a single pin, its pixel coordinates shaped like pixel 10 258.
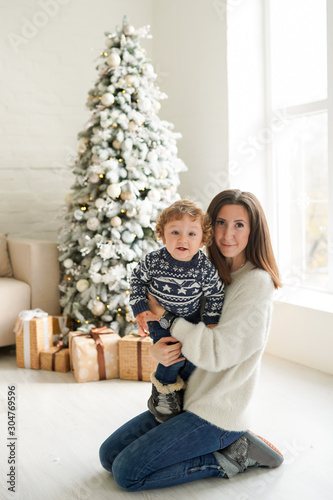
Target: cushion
pixel 5 266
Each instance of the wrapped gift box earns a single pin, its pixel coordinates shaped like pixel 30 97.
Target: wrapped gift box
pixel 94 357
pixel 58 324
pixel 135 362
pixel 32 336
pixel 55 358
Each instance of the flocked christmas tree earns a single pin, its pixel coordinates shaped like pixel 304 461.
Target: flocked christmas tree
pixel 126 172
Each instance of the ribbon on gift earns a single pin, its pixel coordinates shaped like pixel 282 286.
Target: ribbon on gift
pixel 139 358
pixel 94 332
pixel 61 346
pixel 23 324
pixel 142 335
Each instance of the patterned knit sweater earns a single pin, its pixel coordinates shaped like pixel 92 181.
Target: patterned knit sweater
pixel 178 286
pixel 228 357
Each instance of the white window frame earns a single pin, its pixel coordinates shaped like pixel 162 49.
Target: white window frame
pixel 281 211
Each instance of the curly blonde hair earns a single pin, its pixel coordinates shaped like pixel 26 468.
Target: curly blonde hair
pixel 177 210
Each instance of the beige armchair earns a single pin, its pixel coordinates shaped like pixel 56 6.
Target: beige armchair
pixel 34 283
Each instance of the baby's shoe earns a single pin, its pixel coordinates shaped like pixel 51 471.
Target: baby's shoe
pixel 166 401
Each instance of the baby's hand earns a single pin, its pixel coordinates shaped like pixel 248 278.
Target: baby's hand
pixel 211 326
pixel 142 319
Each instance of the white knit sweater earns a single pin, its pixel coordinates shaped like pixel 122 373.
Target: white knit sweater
pixel 228 357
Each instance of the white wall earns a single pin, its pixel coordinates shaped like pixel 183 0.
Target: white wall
pixel 48 51
pixel 302 335
pixel 190 51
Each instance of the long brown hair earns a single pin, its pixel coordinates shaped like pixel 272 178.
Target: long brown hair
pixel 259 248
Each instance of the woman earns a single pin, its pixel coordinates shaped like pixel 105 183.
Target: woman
pixel 211 437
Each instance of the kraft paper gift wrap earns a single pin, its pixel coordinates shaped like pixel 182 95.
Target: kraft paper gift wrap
pixel 135 362
pixel 55 358
pixel 33 333
pixel 86 363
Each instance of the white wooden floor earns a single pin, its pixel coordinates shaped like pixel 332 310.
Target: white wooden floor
pixel 61 425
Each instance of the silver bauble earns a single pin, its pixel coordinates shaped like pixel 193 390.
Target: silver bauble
pixel 82 285
pixel 98 309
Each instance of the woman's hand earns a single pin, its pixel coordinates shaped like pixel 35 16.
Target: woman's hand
pixel 166 354
pixel 154 306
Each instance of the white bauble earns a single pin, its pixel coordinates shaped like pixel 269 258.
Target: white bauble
pixel 127 236
pixel 68 263
pixel 126 195
pixel 100 203
pixel 116 144
pixel 115 221
pixel 129 79
pixel 98 309
pixel 82 285
pixel 107 99
pixel 78 214
pixel 131 212
pixel 113 190
pixel 154 195
pixel 163 173
pixel 94 179
pixel 113 60
pixel 108 42
pixel 93 223
pixel 157 106
pixel 144 105
pixel 132 126
pixel 128 30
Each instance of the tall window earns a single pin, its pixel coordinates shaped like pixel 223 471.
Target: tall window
pixel 299 107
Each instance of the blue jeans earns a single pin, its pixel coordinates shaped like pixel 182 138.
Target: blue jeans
pixel 168 374
pixel 144 454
